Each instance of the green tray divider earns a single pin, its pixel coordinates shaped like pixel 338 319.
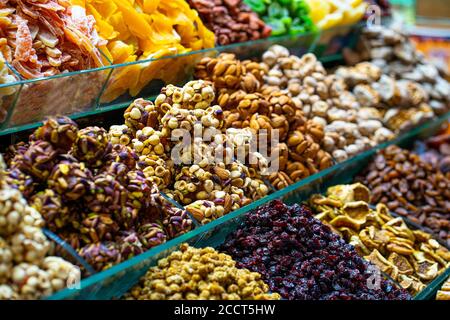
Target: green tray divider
pixel 113 282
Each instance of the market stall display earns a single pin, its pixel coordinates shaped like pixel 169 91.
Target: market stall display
pixel 444 292
pixel 177 190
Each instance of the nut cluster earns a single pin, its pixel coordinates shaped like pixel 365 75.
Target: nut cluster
pixel 410 187
pixel 231 21
pixel 93 193
pixel 301 258
pixel 251 107
pixel 26 272
pixel 200 274
pixel 411 257
pixel 395 54
pixel 349 127
pixel 188 171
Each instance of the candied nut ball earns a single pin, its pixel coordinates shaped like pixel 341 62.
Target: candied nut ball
pixel 212 275
pixel 71 179
pixel 24 269
pixel 54 212
pixel 37 160
pixel 61 132
pixel 140 114
pixel 411 257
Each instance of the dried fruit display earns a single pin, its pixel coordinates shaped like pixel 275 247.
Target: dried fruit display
pixel 26 269
pixel 139 30
pixel 411 257
pixel 92 193
pixel 50 37
pixel 348 126
pixel 231 21
pixel 301 258
pixel 393 52
pixel 327 14
pixel 200 274
pixel 410 187
pixel 284 16
pixel 253 110
pixel 444 292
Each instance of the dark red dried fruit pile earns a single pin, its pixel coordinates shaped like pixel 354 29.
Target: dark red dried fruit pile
pixel 301 258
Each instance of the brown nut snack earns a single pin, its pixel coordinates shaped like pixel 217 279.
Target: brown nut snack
pixel 412 257
pixel 26 272
pixel 231 20
pixel 200 274
pixel 410 187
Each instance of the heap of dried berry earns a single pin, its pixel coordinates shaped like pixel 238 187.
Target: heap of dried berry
pixel 301 258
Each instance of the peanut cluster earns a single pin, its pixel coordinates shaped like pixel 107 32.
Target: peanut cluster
pixel 200 274
pixel 26 270
pixel 93 192
pixel 411 257
pixel 251 107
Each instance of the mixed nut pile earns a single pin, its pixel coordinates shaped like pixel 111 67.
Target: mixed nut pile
pixel 200 274
pixel 411 257
pixel 301 258
pixel 410 187
pixel 27 271
pixel 92 192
